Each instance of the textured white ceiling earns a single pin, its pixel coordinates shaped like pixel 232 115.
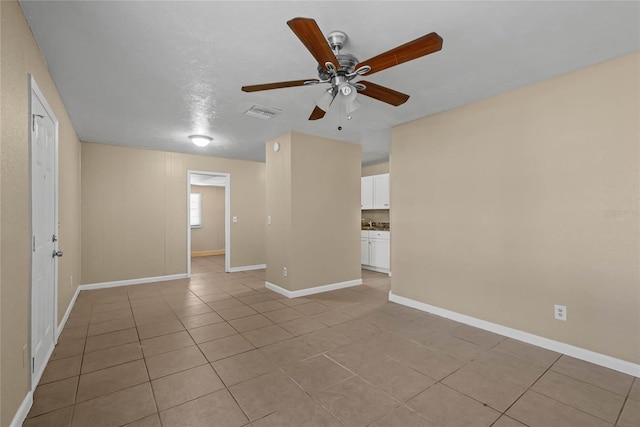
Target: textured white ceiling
pixel 148 74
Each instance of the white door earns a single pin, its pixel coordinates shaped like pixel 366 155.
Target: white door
pixel 44 232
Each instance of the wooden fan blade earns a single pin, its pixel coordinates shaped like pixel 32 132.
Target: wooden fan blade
pixel 415 49
pixel 316 114
pixel 383 94
pixel 277 85
pixel 310 35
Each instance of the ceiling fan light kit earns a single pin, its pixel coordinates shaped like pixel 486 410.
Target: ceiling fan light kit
pixel 324 102
pixel 352 106
pixel 339 69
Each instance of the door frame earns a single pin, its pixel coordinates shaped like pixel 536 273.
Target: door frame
pixel 227 217
pixel 34 89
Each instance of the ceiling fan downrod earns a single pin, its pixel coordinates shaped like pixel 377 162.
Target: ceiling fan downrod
pixel 336 40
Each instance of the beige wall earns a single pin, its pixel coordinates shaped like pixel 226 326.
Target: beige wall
pixel 376 169
pixel 313 184
pixel 20 56
pixel 278 195
pixel 1 138
pixel 507 206
pixel 134 211
pixel 210 236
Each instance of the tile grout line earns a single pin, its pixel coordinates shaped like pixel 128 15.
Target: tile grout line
pixel 360 336
pixel 84 348
pixel 529 388
pixel 155 402
pixel 583 382
pixel 625 402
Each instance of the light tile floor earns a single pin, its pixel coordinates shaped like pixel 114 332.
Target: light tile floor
pixel 221 350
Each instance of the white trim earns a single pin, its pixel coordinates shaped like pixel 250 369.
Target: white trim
pixel 63 322
pixel 246 268
pixel 38 375
pixel 227 217
pixel 310 291
pixel 128 282
pixel 23 411
pixel 557 346
pixel 227 224
pixel 34 89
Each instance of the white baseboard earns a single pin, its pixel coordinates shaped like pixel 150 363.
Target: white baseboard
pixel 557 346
pixel 25 406
pixel 128 282
pixel 214 252
pixel 246 268
pixel 38 376
pixel 23 411
pixel 114 284
pixel 310 291
pixel 67 313
pixel 103 285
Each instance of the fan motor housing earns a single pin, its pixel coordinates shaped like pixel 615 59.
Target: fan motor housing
pixel 347 63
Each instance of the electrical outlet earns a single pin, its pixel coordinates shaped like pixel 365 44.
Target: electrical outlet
pixel 269 220
pixel 560 312
pixel 234 218
pixel 284 271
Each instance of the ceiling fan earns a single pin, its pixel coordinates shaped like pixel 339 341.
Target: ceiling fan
pixel 339 69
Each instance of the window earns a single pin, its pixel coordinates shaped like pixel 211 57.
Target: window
pixel 195 211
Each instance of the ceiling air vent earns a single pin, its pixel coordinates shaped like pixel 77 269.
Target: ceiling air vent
pixel 264 113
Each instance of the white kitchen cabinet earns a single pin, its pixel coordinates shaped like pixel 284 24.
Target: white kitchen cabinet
pixel 375 249
pixel 381 191
pixel 380 253
pixel 374 193
pixel 366 192
pixel 364 250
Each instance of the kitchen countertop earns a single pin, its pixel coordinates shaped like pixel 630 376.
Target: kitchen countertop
pixel 375 229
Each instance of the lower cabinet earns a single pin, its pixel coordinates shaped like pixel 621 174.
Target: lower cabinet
pixel 380 253
pixel 375 249
pixel 364 250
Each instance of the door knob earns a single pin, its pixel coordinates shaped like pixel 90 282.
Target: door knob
pixel 57 253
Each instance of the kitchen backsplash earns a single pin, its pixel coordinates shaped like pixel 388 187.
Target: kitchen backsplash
pixel 376 225
pixel 381 215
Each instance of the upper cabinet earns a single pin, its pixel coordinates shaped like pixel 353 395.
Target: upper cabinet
pixel 366 193
pixel 381 191
pixel 375 192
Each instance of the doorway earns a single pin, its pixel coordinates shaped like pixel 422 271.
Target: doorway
pixel 43 140
pixel 208 221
